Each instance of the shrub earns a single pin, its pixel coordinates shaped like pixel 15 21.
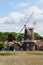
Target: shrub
pixel 1 45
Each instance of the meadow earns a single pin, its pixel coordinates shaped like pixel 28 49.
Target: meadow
pixel 21 58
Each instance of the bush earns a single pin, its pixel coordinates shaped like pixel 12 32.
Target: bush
pixel 1 45
pixel 41 48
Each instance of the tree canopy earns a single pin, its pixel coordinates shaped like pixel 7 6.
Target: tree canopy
pixel 4 35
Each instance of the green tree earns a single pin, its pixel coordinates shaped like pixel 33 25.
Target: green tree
pixel 1 36
pixel 5 35
pixel 19 38
pixel 37 36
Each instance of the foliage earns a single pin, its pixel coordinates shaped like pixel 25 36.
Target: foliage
pixel 1 36
pixel 14 33
pixel 4 35
pixel 37 36
pixel 1 45
pixel 20 37
pixel 41 48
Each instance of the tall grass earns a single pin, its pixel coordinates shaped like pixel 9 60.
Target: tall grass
pixel 22 58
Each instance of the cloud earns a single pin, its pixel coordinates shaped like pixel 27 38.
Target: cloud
pixel 11 22
pixel 37 12
pixel 9 28
pixel 22 4
pixel 15 16
pixel 12 17
pixel 2 20
pixel 39 1
pixel 39 28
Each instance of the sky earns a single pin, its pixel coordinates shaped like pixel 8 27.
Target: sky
pixel 15 13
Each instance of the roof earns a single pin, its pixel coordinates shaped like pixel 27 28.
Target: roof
pixel 39 43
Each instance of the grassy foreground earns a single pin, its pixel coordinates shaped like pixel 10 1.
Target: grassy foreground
pixel 21 58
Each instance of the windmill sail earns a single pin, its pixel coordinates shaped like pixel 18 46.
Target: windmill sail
pixel 24 25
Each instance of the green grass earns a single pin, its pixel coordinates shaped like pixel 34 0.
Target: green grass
pixel 8 53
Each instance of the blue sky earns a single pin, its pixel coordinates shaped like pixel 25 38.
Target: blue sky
pixel 14 13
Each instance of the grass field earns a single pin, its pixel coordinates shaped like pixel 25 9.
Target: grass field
pixel 21 58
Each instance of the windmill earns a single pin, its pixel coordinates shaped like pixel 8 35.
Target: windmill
pixel 29 42
pixel 28 39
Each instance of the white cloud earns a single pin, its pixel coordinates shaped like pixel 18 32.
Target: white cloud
pixel 37 12
pixel 39 28
pixel 40 1
pixel 14 17
pixel 22 4
pixel 9 28
pixel 2 20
